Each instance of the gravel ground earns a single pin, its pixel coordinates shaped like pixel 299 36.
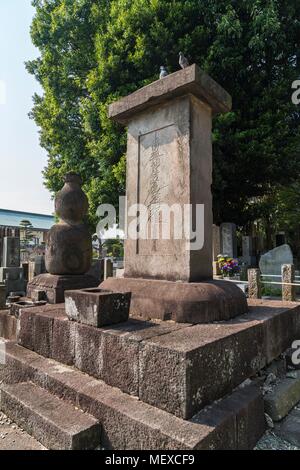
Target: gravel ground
pixel 14 438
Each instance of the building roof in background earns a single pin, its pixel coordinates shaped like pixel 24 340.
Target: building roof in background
pixel 10 218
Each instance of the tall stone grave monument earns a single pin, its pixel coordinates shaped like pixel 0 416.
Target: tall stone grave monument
pixel 169 168
pixel 68 247
pixel 11 273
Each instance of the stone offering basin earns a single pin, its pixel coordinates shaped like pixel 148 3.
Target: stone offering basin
pixel 97 307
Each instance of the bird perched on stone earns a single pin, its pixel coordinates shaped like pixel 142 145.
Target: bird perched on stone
pixel 183 62
pixel 163 72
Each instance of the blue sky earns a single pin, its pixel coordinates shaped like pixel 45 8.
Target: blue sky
pixel 21 158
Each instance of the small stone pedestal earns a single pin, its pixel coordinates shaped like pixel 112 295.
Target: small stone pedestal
pixel 53 286
pixel 169 167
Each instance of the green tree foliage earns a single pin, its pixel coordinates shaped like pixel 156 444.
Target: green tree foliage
pixel 95 51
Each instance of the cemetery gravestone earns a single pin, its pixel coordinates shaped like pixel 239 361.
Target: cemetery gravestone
pixel 11 273
pixel 228 240
pixel 272 261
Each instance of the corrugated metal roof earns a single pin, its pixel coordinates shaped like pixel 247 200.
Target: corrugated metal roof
pixel 10 218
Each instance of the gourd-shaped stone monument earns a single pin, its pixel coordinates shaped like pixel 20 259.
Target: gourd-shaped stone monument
pixel 69 244
pixel 68 247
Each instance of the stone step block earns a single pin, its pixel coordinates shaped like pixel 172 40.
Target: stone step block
pixel 53 422
pixel 237 422
pixel 285 395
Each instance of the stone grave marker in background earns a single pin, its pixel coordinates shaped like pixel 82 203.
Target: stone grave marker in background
pixel 228 240
pixel 11 273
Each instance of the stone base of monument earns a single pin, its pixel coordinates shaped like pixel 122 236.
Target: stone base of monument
pixel 54 286
pixel 202 302
pixel 150 384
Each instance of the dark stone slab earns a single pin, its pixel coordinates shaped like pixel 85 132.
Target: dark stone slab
pixel 128 423
pixel 97 307
pixel 55 286
pixel 191 80
pixel 202 302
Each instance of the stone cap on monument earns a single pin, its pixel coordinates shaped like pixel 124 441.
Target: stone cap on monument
pixel 191 80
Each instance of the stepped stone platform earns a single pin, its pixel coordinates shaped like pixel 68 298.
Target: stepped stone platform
pixel 175 367
pixel 155 384
pixel 235 422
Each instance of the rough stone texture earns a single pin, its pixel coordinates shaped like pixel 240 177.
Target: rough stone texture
pixel 54 423
pixel 254 284
pixel 2 296
pixel 271 262
pixel 191 80
pixel 97 307
pixel 69 244
pixel 129 424
pixel 288 276
pixel 54 287
pixel 283 398
pixel 289 428
pixel 8 326
pixel 228 240
pixel 203 302
pixel 177 367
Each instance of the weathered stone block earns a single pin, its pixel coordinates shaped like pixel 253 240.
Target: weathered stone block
pixel 288 277
pixel 184 371
pixel 63 341
pixel 254 284
pixel 97 307
pixel 283 398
